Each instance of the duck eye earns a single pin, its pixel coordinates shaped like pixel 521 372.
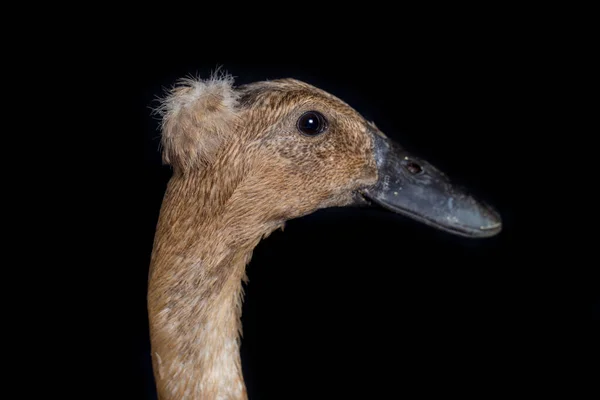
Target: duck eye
pixel 312 123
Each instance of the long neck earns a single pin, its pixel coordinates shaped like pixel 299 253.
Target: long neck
pixel 195 293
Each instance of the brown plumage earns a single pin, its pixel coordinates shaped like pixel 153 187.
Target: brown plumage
pixel 240 170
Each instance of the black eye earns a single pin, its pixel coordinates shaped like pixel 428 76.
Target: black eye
pixel 312 123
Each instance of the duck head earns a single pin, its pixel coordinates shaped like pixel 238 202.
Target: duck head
pixel 294 148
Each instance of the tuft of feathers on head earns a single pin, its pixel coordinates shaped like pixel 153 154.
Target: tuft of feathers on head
pixel 197 116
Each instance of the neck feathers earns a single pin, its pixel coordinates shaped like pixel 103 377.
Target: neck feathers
pixel 201 250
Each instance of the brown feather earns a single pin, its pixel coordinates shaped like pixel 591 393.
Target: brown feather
pixel 241 169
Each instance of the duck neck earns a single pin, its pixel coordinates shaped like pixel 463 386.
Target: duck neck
pixel 195 292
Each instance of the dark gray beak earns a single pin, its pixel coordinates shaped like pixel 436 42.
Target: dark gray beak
pixel 413 187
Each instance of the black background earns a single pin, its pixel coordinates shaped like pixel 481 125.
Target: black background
pixel 354 303
pixel 345 303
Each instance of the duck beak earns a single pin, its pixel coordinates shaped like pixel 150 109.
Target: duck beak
pixel 411 186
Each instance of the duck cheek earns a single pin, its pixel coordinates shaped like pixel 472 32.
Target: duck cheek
pixel 360 175
pixel 366 177
pixel 340 199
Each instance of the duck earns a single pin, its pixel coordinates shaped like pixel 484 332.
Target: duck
pixel 245 159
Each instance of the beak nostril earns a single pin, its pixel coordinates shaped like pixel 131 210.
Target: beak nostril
pixel 413 167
